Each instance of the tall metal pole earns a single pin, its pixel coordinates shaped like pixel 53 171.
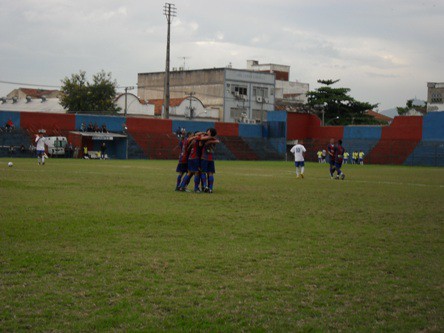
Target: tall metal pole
pixel 126 105
pixel 169 11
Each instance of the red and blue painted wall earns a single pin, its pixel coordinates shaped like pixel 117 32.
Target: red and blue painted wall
pixel 407 140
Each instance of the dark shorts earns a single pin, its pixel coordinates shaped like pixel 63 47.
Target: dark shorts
pixel 299 164
pixel 182 167
pixel 208 166
pixel 338 165
pixel 40 152
pixel 193 165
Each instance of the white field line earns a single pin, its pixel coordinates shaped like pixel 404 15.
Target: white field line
pixel 171 171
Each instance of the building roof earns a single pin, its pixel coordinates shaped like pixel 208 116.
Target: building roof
pixel 379 116
pixel 50 105
pixel 34 93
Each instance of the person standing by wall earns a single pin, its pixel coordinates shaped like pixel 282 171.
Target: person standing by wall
pixel 103 151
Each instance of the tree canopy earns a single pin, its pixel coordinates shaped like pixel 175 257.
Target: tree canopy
pixel 81 96
pixel 338 106
pixel 409 106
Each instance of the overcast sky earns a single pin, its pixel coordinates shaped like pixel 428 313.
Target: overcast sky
pixel 384 51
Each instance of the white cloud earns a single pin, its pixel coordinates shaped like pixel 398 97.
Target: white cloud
pixel 382 50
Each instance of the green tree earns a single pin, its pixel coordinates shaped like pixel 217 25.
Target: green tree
pixel 81 96
pixel 338 106
pixel 410 107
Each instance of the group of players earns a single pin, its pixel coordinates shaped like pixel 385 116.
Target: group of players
pixel 196 160
pixel 335 156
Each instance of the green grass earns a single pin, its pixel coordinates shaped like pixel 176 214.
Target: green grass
pixel 108 245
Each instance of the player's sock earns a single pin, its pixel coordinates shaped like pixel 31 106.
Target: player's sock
pixel 196 182
pixel 210 182
pixel 203 178
pixel 297 172
pixel 302 170
pixel 43 159
pixel 39 159
pixel 179 179
pixel 185 181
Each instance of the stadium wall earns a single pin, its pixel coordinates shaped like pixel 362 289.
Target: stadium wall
pixel 430 150
pixel 54 124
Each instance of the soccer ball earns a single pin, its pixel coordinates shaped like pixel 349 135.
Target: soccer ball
pixel 10 164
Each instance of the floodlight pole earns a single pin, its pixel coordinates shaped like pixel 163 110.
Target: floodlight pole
pixel 169 10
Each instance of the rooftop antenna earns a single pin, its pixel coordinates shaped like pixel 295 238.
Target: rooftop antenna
pixel 184 62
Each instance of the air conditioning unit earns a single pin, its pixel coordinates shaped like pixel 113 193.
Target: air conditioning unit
pixel 259 99
pixel 236 93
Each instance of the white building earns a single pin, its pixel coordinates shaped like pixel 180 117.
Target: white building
pixel 285 90
pixel 435 96
pixel 236 95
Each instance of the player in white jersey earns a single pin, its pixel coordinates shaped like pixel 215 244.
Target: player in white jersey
pixel 40 141
pixel 298 150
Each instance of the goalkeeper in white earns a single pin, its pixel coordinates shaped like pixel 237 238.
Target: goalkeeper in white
pixel 298 150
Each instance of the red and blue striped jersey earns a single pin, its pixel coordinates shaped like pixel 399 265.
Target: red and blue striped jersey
pixel 208 151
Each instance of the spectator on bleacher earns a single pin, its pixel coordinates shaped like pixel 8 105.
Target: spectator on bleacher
pixel 90 127
pixel 96 128
pixel 9 126
pixel 102 151
pixel 83 127
pixel 104 129
pixel 124 127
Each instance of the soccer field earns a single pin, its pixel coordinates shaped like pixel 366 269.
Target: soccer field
pixel 91 245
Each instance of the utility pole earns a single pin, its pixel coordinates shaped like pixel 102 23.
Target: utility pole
pixel 169 10
pixel 191 94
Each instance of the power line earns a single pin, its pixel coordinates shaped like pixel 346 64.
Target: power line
pixel 29 84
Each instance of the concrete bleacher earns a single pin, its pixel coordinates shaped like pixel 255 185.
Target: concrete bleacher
pixel 15 138
pixel 221 152
pixel 264 149
pixel 427 153
pixel 430 150
pixel 134 150
pixel 239 148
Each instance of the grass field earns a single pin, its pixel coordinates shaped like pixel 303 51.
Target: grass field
pixel 109 246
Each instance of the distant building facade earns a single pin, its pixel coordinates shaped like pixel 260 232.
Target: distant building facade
pixel 435 96
pixel 286 91
pixel 237 95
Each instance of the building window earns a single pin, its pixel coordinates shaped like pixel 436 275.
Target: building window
pixel 239 90
pixel 238 114
pixel 260 92
pixel 436 98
